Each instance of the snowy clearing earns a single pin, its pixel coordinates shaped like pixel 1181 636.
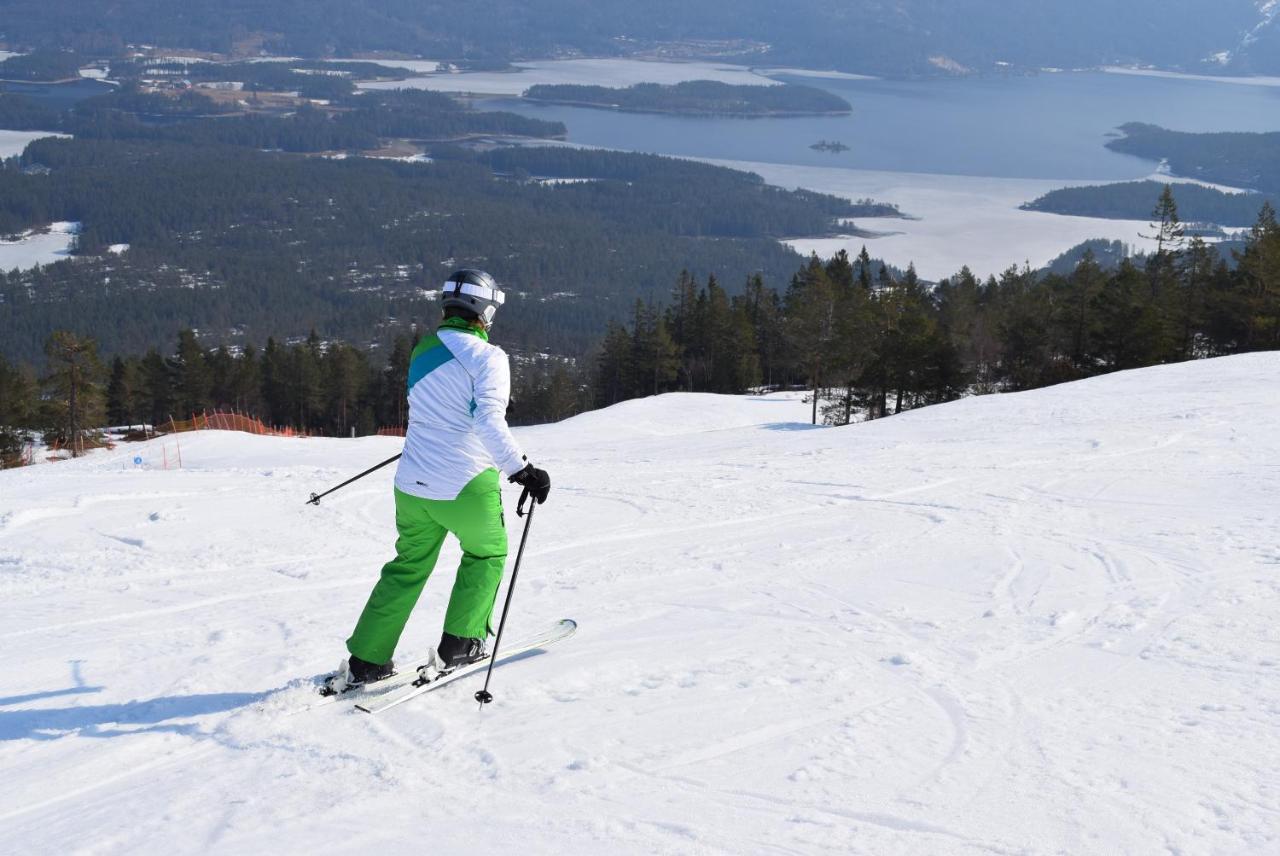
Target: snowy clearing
pixel 422 66
pixel 1025 624
pixel 14 143
pixel 585 72
pixel 39 248
pixel 814 73
pixel 1252 80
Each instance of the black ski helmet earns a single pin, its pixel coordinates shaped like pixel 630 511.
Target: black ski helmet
pixel 473 291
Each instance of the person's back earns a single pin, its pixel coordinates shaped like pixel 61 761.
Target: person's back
pixel 459 387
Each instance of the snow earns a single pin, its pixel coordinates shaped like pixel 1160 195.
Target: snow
pixel 814 73
pixel 117 249
pixel 39 248
pixel 587 72
pixel 13 143
pixel 1035 623
pixel 422 66
pixel 963 220
pixel 1251 80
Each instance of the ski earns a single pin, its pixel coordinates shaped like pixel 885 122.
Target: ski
pixel 401 677
pixel 420 685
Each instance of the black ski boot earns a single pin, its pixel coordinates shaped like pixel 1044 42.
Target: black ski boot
pixel 455 651
pixel 354 674
pixel 360 672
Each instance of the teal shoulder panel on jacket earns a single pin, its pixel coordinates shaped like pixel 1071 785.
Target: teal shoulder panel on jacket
pixel 430 355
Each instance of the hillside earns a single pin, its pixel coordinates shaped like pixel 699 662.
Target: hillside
pixel 1032 623
pixel 890 37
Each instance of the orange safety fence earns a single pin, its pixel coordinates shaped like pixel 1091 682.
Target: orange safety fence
pixel 391 432
pixel 227 421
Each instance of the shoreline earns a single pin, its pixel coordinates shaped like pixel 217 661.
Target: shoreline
pixel 713 114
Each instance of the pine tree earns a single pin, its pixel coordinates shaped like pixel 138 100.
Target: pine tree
pixel 157 388
pixel 1167 230
pixel 654 356
pixel 74 381
pixel 614 368
pixel 306 378
pixel 682 323
pixel 1131 331
pixel 276 391
pixel 763 310
pixel 192 380
pixel 246 382
pixel 18 409
pixel 1075 313
pixel 811 313
pixel 864 269
pixel 127 402
pixel 1189 301
pixel 222 373
pixel 1026 341
pixel 853 346
pixel 1260 274
pixel 392 409
pixel 345 375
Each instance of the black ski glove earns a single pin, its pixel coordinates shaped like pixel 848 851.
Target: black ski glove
pixel 535 481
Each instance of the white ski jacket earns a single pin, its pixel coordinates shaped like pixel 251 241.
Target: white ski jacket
pixel 459 386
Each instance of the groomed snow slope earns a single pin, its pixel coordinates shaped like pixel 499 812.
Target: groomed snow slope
pixel 1023 624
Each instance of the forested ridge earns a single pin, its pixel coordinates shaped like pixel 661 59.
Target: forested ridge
pixel 898 38
pixel 281 243
pixel 42 65
pixel 1235 158
pixel 1133 200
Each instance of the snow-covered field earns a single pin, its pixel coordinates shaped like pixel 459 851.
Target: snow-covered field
pixel 962 220
pixel 13 143
pixel 1042 623
pixel 587 72
pixel 1245 80
pixel 422 66
pixel 39 248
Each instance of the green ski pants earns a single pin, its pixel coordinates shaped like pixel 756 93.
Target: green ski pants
pixel 475 517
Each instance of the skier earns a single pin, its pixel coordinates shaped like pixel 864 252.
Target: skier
pixel 447 481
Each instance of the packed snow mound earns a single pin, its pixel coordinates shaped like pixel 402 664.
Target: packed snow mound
pixel 677 414
pixel 1032 623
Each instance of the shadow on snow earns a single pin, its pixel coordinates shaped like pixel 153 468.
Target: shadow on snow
pixel 113 720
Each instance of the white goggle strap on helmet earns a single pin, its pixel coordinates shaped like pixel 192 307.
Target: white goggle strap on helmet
pixel 481 291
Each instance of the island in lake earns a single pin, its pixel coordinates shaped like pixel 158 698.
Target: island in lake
pixel 697 97
pixel 829 146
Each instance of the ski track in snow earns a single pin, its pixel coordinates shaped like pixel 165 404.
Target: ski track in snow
pixel 1024 624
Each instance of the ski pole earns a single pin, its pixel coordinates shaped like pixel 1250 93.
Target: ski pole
pixel 315 499
pixel 484 696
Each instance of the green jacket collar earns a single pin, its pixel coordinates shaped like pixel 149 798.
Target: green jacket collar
pixel 463 326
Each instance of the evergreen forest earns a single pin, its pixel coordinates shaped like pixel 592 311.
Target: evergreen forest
pixel 865 341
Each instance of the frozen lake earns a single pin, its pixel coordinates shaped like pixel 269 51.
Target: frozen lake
pixel 964 220
pixel 586 72
pixel 12 143
pixel 961 155
pixel 40 248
